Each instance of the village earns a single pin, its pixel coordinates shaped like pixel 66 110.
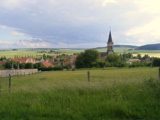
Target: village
pixel 33 62
pixel 60 61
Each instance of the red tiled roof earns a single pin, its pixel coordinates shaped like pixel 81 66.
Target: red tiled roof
pixel 21 60
pixel 47 64
pixel 2 63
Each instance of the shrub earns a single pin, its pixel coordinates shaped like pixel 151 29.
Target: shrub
pixel 156 62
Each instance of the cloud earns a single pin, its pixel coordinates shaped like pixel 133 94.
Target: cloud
pixel 151 6
pixel 6 44
pixel 17 33
pixel 69 23
pixel 33 43
pixel 106 2
pixel 12 4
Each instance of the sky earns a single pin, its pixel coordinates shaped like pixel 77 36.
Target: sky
pixel 78 23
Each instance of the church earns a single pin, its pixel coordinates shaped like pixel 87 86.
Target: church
pixel 110 45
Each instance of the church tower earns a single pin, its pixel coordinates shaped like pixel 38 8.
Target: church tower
pixel 110 44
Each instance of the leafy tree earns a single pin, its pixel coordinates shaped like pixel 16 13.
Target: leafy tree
pixel 8 65
pixel 115 60
pixel 145 57
pixel 87 59
pixel 28 65
pixel 37 65
pixel 156 61
pixel 139 56
pixel 22 66
pixel 126 56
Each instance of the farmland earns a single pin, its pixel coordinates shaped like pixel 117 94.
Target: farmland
pixel 155 53
pixel 40 52
pixel 120 50
pixel 36 52
pixel 112 94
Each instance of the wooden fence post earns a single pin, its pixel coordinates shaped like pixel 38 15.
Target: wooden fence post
pixel 9 85
pixel 159 73
pixel 0 86
pixel 88 76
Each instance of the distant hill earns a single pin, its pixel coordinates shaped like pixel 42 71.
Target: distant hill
pixel 126 46
pixel 149 47
pixel 120 46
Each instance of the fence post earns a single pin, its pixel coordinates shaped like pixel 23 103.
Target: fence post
pixel 159 73
pixel 10 78
pixel 0 86
pixel 88 76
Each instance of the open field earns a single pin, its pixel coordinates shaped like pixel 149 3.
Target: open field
pixel 112 94
pixel 22 53
pixel 35 53
pixel 120 50
pixel 155 53
pixel 116 49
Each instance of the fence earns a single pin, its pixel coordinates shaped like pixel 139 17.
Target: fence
pixel 6 73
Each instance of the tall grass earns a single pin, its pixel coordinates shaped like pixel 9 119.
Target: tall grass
pixel 115 94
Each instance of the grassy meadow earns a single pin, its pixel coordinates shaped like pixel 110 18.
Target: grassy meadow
pixel 112 94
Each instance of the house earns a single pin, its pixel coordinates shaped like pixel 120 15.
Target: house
pixel 2 63
pixel 70 61
pixel 24 60
pixel 47 64
pixel 131 61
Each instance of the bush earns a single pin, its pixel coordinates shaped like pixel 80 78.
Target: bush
pixel 100 64
pixel 57 68
pixel 28 66
pixel 140 64
pixel 115 60
pixel 156 62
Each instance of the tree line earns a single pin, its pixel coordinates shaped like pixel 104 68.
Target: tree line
pixel 92 58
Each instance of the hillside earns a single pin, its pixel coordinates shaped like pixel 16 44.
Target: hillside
pixel 117 48
pixel 149 47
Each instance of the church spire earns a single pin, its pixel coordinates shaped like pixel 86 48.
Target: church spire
pixel 110 37
pixel 110 44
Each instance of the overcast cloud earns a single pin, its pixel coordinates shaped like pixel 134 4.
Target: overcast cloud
pixel 78 23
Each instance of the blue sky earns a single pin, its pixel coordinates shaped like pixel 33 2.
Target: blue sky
pixel 78 23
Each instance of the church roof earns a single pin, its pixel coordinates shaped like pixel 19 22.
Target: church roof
pixel 110 38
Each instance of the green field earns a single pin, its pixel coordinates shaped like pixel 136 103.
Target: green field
pixel 112 94
pixel 120 50
pixel 35 53
pixel 155 53
pixel 39 52
pixel 22 53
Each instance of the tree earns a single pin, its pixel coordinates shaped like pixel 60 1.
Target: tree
pixel 115 60
pixel 126 56
pixel 8 65
pixel 139 56
pixel 87 59
pixel 28 65
pixel 37 65
pixel 156 62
